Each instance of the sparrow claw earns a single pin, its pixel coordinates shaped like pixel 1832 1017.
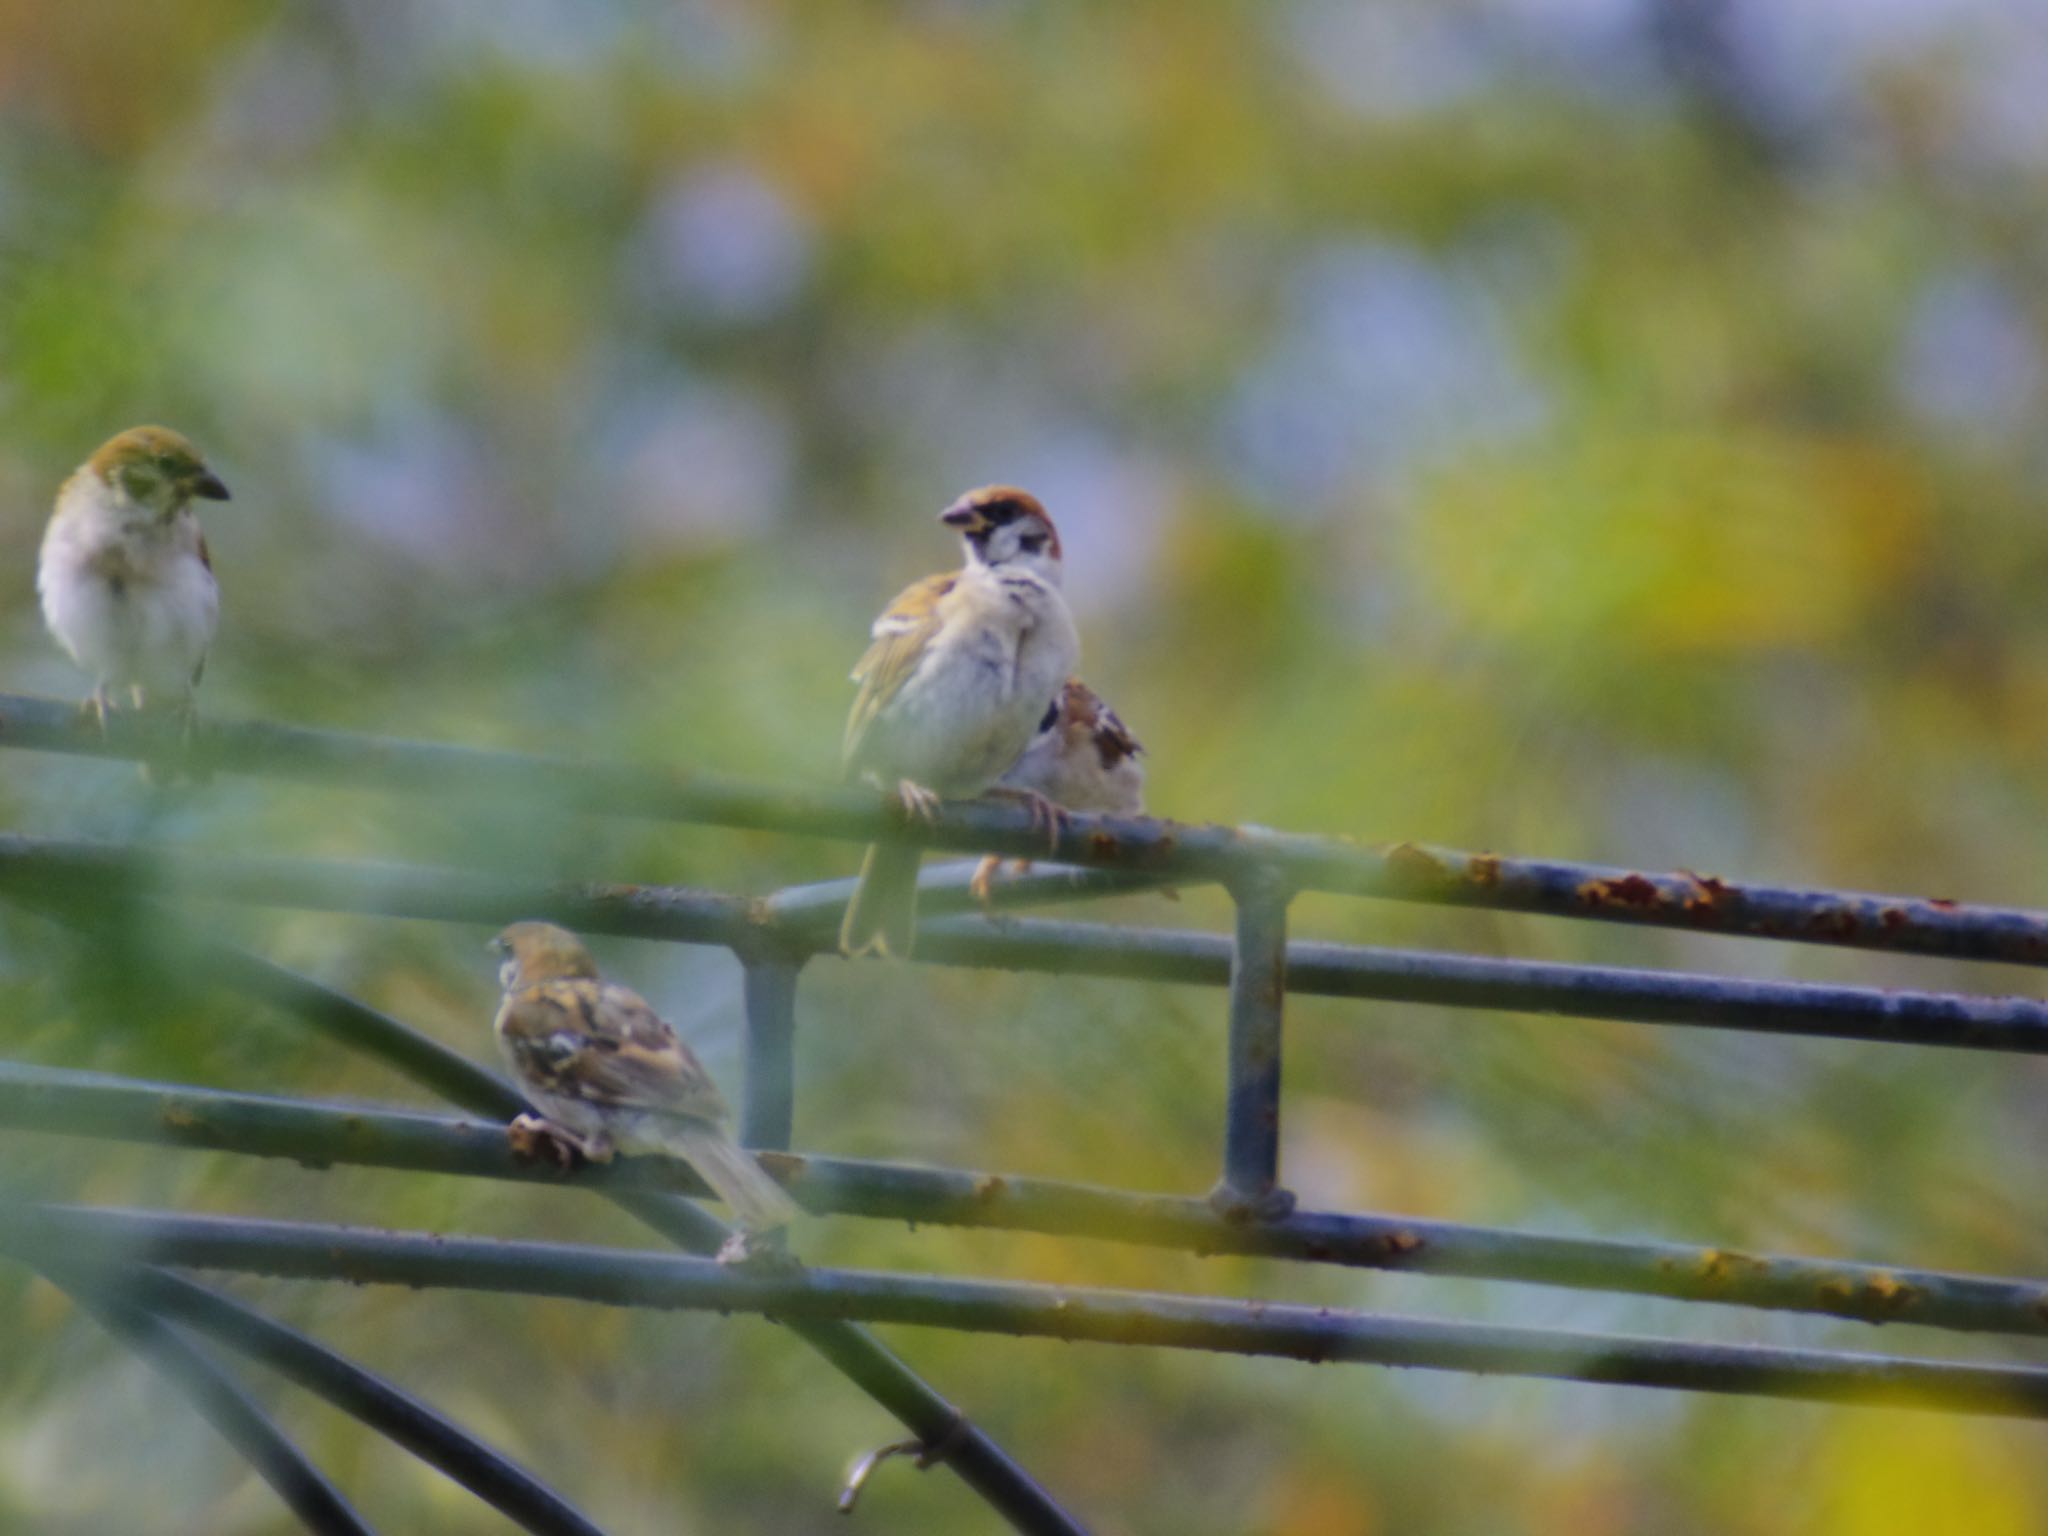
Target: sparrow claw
pixel 533 1137
pixel 981 885
pixel 1047 816
pixel 1055 827
pixel 917 801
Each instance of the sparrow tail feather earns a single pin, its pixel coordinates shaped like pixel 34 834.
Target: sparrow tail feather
pixel 882 917
pixel 757 1202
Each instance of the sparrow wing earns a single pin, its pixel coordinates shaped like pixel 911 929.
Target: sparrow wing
pixel 602 1044
pixel 1086 712
pixel 900 636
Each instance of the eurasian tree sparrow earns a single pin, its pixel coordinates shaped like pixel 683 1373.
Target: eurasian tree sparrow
pixel 1082 759
pixel 126 583
pixel 961 671
pixel 610 1074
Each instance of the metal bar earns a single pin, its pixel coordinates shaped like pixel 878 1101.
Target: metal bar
pixel 316 1502
pixel 768 1112
pixel 617 1277
pixel 1250 1187
pixel 393 1413
pixel 39 868
pixel 942 889
pixel 88 1105
pixel 969 1451
pixel 1401 871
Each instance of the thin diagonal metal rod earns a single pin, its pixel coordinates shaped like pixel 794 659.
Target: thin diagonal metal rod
pixel 316 1502
pixel 1402 871
pixel 397 1415
pixel 90 1105
pixel 619 1277
pixel 37 865
pixel 968 1450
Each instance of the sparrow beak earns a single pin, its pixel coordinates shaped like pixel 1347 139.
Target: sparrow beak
pixel 962 515
pixel 207 484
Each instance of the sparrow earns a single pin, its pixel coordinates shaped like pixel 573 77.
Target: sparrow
pixel 610 1074
pixel 1082 759
pixel 962 668
pixel 126 583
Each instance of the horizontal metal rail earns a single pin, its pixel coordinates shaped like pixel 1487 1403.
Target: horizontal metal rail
pixel 1401 871
pixel 60 1102
pixel 774 935
pixel 623 1277
pixel 31 865
pixel 220 1399
pixel 963 1446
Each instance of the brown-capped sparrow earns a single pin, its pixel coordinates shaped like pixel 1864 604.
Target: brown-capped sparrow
pixel 126 583
pixel 610 1074
pixel 961 671
pixel 1082 759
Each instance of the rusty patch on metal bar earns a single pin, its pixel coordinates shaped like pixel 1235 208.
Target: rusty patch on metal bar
pixel 991 1186
pixel 1835 923
pixel 1880 1296
pixel 1638 891
pixel 1483 869
pixel 1724 1266
pixel 1708 895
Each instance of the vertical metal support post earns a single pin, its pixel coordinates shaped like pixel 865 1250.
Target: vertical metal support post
pixel 1250 1188
pixel 768 1111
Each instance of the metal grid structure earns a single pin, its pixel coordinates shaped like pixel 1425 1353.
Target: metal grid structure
pixel 110 1259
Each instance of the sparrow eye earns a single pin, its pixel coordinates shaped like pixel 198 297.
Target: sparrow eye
pixel 1032 543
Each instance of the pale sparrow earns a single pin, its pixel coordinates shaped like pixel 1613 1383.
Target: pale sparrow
pixel 1082 759
pixel 610 1074
pixel 126 582
pixel 961 671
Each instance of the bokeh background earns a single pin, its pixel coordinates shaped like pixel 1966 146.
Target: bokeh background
pixel 1602 429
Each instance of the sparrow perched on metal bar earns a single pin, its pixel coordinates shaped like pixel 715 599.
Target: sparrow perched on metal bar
pixel 961 671
pixel 610 1074
pixel 126 583
pixel 1082 759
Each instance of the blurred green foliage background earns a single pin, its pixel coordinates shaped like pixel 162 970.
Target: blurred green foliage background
pixel 1603 429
